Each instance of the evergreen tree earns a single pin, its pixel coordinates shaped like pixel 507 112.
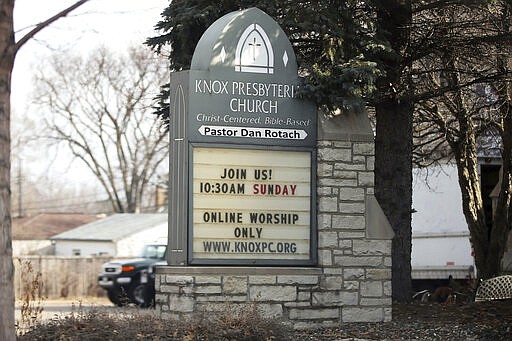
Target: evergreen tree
pixel 331 40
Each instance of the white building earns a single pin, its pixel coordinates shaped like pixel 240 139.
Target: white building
pixel 440 235
pixel 119 235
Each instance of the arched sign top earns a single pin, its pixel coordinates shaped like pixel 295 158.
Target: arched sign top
pixel 247 41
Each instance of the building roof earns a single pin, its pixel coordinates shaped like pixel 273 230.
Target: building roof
pixel 114 227
pixel 43 226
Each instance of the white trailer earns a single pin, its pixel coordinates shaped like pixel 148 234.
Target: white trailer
pixel 440 237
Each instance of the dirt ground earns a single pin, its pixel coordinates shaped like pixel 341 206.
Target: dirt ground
pixel 490 321
pixel 430 321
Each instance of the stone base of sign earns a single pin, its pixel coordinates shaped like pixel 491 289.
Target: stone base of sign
pixel 352 281
pixel 304 297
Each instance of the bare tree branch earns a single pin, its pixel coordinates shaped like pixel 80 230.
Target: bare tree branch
pixel 101 113
pixel 46 23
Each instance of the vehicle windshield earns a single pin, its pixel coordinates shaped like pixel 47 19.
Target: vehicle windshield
pixel 153 251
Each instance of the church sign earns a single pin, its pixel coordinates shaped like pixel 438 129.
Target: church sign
pixel 243 150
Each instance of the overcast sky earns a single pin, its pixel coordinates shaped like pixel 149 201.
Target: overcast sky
pixel 113 23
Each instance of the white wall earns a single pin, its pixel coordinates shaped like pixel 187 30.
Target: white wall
pixel 437 200
pixel 86 248
pixel 440 236
pixel 132 245
pixel 31 247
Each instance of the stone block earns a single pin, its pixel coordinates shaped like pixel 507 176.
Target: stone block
pixel 333 283
pixel 381 302
pixel 208 279
pixel 171 279
pixel 324 169
pixel 337 182
pixel 387 288
pixel 353 274
pixel 348 222
pixel 300 280
pixel 327 239
pixel 334 298
pixel 183 304
pixel 349 166
pixel 221 298
pixel 334 154
pixel 187 290
pixel 324 143
pixel 345 244
pixel 324 221
pixel 262 279
pixel 173 289
pixel 354 314
pixel 359 159
pixel 273 293
pixel 351 194
pixel 378 274
pixel 333 271
pixel 372 247
pixel 354 261
pixel 324 257
pixel 208 289
pixel 351 208
pixel 352 234
pixel 350 285
pixel 328 204
pixel 370 163
pixel 343 174
pixel 341 144
pixel 313 314
pixel 304 296
pixel 365 179
pixel 301 304
pixel 364 148
pixel 371 289
pixel 234 285
pixel 324 191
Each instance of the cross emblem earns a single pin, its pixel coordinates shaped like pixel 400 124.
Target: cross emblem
pixel 254 46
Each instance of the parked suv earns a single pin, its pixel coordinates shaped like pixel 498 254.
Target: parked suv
pixel 133 280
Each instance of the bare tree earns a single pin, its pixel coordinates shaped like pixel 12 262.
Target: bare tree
pixel 8 49
pixel 98 107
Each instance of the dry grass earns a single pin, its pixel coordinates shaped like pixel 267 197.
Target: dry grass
pixel 32 298
pixel 233 323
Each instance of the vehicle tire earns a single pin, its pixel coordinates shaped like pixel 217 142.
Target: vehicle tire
pixel 118 297
pixel 141 294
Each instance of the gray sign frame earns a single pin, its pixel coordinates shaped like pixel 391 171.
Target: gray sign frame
pixel 222 67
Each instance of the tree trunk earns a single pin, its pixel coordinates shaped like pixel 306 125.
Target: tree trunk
pixel 472 204
pixel 393 141
pixel 7 52
pixel 503 212
pixel 393 187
